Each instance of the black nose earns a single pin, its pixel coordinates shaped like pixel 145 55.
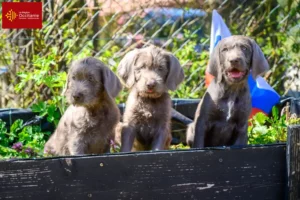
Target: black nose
pixel 234 60
pixel 151 84
pixel 77 96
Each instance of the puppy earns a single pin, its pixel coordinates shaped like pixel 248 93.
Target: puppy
pixel 89 122
pixel 222 116
pixel 149 73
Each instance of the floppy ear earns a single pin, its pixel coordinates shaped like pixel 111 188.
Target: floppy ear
pixel 111 82
pixel 176 74
pixel 259 63
pixel 214 66
pixel 125 68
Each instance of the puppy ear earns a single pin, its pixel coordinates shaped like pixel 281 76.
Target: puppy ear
pixel 176 74
pixel 259 63
pixel 111 82
pixel 125 68
pixel 214 66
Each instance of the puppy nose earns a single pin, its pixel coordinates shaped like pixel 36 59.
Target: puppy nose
pixel 77 96
pixel 234 60
pixel 151 84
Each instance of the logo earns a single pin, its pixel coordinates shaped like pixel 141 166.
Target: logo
pixel 22 15
pixel 11 15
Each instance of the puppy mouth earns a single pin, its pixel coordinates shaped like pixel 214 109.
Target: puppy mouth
pixel 150 91
pixel 235 74
pixel 150 94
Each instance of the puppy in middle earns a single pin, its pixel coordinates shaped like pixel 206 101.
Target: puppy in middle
pixel 149 73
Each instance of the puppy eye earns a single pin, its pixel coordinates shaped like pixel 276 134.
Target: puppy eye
pixel 160 68
pixel 73 77
pixel 138 69
pixel 244 48
pixel 225 49
pixel 90 78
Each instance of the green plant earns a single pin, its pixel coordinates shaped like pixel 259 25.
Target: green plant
pixel 293 120
pixel 114 147
pixel 179 146
pixel 266 130
pixel 45 74
pixel 194 64
pixel 21 141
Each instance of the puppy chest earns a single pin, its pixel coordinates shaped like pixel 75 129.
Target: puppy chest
pixel 150 125
pixel 150 114
pixel 97 137
pixel 91 130
pixel 233 110
pixel 220 133
pixel 97 144
pixel 146 115
pixel 147 131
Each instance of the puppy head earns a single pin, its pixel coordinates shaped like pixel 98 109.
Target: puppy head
pixel 234 57
pixel 87 80
pixel 151 70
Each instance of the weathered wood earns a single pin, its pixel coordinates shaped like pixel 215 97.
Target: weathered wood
pixel 293 162
pixel 249 173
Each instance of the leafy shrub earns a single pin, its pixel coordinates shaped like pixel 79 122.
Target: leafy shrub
pixel 194 64
pixel 46 77
pixel 21 141
pixel 179 146
pixel 266 130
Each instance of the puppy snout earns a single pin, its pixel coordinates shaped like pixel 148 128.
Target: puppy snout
pixel 235 61
pixel 77 96
pixel 151 84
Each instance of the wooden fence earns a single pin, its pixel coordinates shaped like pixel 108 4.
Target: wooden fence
pixel 254 172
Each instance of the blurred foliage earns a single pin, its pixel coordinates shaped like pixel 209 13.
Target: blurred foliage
pixel 267 130
pixel 194 64
pixel 75 32
pixel 264 130
pixel 22 141
pixel 179 146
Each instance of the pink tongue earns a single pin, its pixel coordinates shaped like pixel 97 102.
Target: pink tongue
pixel 236 74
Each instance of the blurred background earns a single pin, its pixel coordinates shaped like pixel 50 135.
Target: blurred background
pixel 33 63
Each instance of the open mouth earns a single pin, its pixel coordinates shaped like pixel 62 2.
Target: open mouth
pixel 235 73
pixel 149 91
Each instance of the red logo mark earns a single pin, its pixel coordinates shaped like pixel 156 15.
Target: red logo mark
pixel 18 15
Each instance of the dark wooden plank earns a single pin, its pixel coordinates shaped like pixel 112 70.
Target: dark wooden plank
pixel 249 173
pixel 293 162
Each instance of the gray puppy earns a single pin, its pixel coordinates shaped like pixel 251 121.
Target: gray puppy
pixel 222 115
pixel 149 73
pixel 89 123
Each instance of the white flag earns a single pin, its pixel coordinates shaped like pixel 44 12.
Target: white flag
pixel 219 30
